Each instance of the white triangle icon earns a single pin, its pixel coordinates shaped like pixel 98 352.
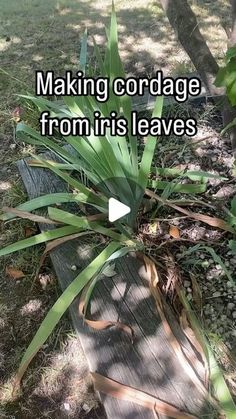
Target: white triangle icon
pixel 117 210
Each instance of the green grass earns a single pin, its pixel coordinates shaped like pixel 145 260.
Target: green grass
pixel 14 195
pixel 46 35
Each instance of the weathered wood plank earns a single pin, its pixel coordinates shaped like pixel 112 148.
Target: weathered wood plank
pixel 150 364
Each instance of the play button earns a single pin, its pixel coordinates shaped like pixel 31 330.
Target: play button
pixel 122 199
pixel 117 210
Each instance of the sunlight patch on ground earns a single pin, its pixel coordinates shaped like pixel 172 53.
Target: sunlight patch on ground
pixel 26 46
pixel 3 316
pixel 5 186
pixel 67 367
pixel 87 23
pixel 6 394
pixel 5 43
pixel 63 11
pixel 37 57
pixel 31 307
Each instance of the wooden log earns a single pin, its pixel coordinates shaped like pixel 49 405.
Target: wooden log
pixel 150 364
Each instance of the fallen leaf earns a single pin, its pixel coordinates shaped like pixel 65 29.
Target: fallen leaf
pixel 172 274
pixel 212 221
pixel 189 333
pixel 123 392
pixel 14 273
pixel 40 163
pixel 29 216
pixel 225 192
pixel 174 232
pixel 102 324
pixel 29 232
pixel 186 365
pixel 16 114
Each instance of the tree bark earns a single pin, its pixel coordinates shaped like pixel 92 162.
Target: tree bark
pixel 185 25
pixel 184 22
pixel 232 38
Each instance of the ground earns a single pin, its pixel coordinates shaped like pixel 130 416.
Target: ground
pixel 217 291
pixel 46 35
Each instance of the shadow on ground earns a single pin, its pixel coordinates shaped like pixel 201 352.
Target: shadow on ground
pixel 46 35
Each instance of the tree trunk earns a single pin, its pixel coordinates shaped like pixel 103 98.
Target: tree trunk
pixel 185 25
pixel 232 38
pixel 229 112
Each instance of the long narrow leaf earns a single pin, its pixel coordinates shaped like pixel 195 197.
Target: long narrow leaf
pixel 33 137
pixel 42 201
pixel 123 392
pixel 177 187
pixel 62 304
pixel 84 223
pixel 197 175
pixel 39 238
pixel 149 149
pixel 91 197
pixel 212 221
pixel 219 385
pixel 83 52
